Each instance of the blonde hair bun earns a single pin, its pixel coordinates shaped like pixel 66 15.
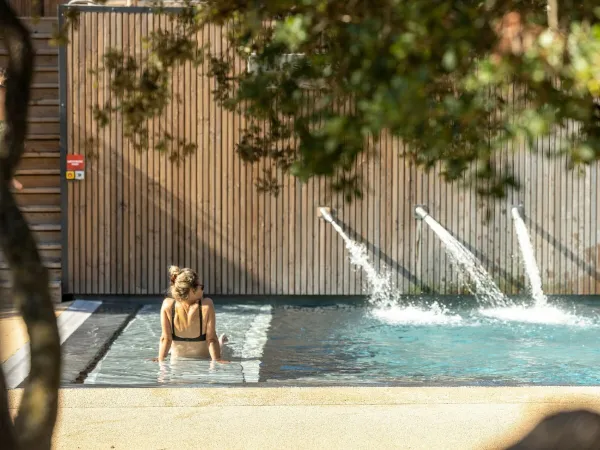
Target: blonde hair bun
pixel 174 272
pixel 183 282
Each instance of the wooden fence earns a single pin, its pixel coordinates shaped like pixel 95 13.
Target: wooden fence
pixel 37 8
pixel 137 213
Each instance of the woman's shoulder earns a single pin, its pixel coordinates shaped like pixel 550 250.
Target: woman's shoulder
pixel 168 303
pixel 207 301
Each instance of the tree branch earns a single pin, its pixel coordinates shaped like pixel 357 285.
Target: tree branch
pixel 37 412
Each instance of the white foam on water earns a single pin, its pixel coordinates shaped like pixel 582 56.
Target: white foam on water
pixel 433 314
pixel 531 267
pixel 543 315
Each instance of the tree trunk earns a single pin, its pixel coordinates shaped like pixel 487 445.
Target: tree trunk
pixel 7 432
pixel 35 420
pixel 553 14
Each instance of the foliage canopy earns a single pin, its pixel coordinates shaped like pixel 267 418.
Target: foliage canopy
pixel 456 81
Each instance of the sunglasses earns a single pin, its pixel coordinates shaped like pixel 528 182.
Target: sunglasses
pixel 200 286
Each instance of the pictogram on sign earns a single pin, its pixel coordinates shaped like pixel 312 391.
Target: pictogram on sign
pixel 79 175
pixel 70 175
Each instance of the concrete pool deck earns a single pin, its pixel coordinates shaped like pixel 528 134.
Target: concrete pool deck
pixel 444 418
pixel 12 330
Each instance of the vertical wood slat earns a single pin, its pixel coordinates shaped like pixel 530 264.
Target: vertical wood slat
pixel 157 265
pixel 179 244
pixel 88 187
pixel 138 183
pixel 190 186
pixel 98 212
pixel 135 214
pixel 109 138
pixel 50 7
pixel 29 8
pixel 144 188
pixel 220 233
pixel 72 136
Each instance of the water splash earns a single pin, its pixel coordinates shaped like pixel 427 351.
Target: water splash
pixel 416 314
pixel 387 304
pixel 531 268
pixel 390 308
pixel 482 285
pixel 543 315
pixel 380 285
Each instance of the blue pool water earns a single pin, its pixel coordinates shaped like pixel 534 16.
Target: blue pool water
pixel 424 343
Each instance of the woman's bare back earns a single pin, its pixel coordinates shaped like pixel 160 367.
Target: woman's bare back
pixel 195 327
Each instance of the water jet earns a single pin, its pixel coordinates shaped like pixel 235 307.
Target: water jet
pixel 482 285
pixel 528 256
pixel 325 213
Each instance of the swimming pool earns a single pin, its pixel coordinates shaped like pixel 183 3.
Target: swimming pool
pixel 419 343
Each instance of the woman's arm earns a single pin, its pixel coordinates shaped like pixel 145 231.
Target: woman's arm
pixel 211 332
pixel 165 337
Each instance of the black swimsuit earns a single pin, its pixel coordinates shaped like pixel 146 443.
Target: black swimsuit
pixel 200 338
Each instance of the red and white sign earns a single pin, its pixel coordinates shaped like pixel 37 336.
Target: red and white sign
pixel 75 162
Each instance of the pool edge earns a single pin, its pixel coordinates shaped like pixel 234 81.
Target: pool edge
pixel 106 397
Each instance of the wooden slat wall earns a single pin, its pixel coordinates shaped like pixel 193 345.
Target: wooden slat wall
pixel 51 7
pixel 135 214
pixel 28 8
pixel 37 8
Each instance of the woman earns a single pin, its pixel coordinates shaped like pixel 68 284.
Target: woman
pixel 188 320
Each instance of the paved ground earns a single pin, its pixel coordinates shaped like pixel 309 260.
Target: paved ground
pixel 12 330
pixel 305 418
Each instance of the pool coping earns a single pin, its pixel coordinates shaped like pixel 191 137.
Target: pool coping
pixel 134 397
pixel 316 385
pixel 317 300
